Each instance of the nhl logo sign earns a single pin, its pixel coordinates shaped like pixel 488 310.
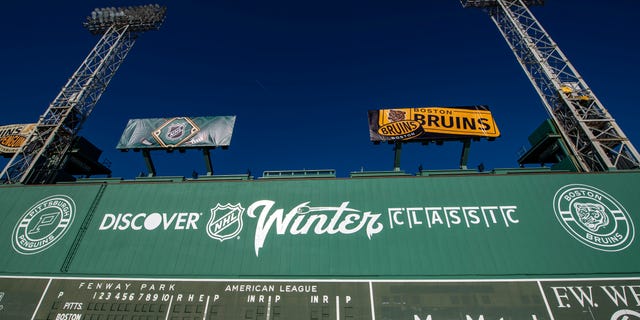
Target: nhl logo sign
pixel 594 217
pixel 225 222
pixel 175 131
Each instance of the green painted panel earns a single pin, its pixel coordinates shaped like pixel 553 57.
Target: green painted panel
pixel 493 226
pixel 452 227
pixel 38 225
pixel 19 297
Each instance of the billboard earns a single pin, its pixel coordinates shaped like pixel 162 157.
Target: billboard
pixel 13 136
pixel 177 132
pixel 432 123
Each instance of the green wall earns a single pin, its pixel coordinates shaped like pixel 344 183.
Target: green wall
pixel 480 226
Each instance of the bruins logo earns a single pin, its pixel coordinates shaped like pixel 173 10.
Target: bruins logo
pixel 593 217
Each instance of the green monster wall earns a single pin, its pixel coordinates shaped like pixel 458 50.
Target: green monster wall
pixel 537 246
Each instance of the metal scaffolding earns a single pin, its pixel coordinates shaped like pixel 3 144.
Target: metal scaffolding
pixel 43 154
pixel 595 141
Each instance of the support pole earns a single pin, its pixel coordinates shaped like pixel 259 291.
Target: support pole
pixel 147 160
pixel 207 161
pixel 464 156
pixel 397 148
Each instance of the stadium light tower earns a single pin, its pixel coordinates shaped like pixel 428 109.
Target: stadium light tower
pixel 43 154
pixel 595 141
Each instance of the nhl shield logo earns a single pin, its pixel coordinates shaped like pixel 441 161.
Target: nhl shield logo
pixel 225 222
pixel 175 131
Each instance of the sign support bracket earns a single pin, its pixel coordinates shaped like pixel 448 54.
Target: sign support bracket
pixel 464 156
pixel 397 149
pixel 207 161
pixel 149 162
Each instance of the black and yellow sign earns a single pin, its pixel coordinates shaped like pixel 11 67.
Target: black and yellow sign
pixel 13 136
pixel 432 123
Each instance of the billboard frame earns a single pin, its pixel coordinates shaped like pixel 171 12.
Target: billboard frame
pixel 418 132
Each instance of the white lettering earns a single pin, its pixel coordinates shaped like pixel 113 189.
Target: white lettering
pixel 107 221
pixel 393 217
pixel 152 221
pixel 471 215
pixel 454 214
pixel 561 297
pixel 167 222
pixel 302 218
pixel 191 223
pixel 134 224
pixel 508 211
pixel 636 294
pixel 72 306
pixel 616 295
pixel 68 316
pixel 413 217
pixel 582 296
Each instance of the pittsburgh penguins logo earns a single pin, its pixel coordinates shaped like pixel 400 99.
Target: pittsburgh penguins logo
pixel 42 225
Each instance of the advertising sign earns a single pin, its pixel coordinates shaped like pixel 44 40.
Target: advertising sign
pixel 432 123
pixel 479 225
pixel 177 132
pixel 39 224
pixel 13 136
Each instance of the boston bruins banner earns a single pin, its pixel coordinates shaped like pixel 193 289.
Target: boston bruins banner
pixel 13 136
pixel 177 132
pixel 432 123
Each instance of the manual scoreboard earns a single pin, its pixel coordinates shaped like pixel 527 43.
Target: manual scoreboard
pixel 102 298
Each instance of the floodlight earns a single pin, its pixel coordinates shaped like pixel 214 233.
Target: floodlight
pixel 138 18
pixel 41 158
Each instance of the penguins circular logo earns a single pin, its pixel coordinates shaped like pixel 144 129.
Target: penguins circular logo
pixel 42 225
pixel 593 217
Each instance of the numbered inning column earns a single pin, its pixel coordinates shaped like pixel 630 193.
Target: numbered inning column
pixel 75 299
pixel 70 299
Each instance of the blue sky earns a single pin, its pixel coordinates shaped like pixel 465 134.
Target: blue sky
pixel 300 76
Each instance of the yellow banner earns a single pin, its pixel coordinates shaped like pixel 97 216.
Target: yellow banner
pixel 13 136
pixel 433 123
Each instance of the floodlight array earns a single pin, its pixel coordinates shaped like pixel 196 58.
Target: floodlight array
pixel 494 3
pixel 138 18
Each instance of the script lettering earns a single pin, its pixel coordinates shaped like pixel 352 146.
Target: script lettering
pixel 303 218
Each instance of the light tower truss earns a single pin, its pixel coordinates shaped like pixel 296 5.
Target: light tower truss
pixel 41 157
pixel 595 140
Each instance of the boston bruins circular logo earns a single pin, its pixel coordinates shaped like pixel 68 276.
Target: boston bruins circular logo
pixel 593 217
pixel 42 225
